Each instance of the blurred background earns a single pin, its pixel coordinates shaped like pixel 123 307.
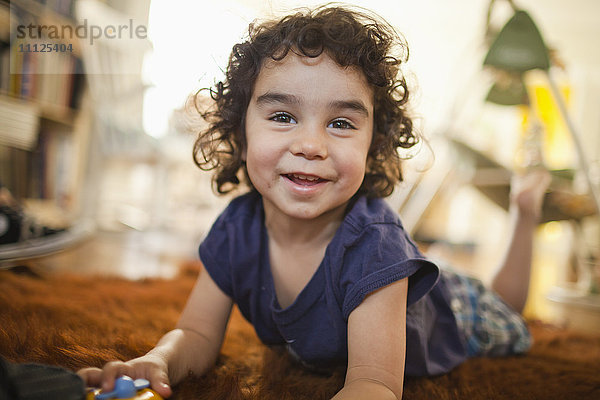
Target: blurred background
pixel 96 139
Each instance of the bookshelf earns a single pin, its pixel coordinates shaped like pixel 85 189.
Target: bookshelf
pixel 45 124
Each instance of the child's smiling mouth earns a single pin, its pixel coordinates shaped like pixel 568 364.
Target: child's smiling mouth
pixel 304 179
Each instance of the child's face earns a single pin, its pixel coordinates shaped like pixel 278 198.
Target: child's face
pixel 309 126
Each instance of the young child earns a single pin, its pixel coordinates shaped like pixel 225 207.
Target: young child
pixel 310 116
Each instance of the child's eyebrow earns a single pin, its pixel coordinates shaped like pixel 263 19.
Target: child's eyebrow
pixel 355 105
pixel 274 97
pixel 284 98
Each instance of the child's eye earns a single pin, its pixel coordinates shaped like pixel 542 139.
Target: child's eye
pixel 341 124
pixel 283 118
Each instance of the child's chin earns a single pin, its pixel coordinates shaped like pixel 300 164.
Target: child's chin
pixel 312 211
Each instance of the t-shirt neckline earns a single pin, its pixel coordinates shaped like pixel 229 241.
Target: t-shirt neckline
pixel 309 294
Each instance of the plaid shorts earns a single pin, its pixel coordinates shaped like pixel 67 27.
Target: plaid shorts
pixel 489 325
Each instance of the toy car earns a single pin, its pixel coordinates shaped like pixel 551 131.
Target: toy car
pixel 126 389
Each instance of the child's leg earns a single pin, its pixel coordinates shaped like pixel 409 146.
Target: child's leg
pixel 511 280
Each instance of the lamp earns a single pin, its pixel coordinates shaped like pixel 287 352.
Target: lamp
pixel 518 48
pixel 508 91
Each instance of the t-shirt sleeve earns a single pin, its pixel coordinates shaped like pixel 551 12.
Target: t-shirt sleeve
pixel 381 255
pixel 215 255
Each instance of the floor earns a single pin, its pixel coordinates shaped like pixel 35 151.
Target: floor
pixel 129 254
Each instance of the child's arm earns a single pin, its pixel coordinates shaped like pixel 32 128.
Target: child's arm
pixel 377 345
pixel 205 317
pixel 193 346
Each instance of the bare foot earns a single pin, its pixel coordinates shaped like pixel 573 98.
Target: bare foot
pixel 527 191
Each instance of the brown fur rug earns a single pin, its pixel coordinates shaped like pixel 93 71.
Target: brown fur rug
pixel 74 321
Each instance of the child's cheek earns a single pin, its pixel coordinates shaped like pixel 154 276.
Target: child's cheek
pixel 262 164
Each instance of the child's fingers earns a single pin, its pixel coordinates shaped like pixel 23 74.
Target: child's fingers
pixel 91 376
pixel 105 378
pixel 159 381
pixel 112 371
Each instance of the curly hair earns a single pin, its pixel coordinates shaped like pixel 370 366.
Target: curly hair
pixel 350 38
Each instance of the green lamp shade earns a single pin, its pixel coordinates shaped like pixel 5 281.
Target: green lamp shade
pixel 519 46
pixel 508 95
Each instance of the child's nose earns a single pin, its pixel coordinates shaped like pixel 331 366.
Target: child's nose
pixel 310 143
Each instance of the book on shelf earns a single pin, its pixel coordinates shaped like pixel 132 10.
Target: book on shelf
pixel 43 77
pixel 54 159
pixel 15 171
pixel 41 66
pixel 4 66
pixel 64 8
pixel 41 141
pixel 20 123
pixel 45 171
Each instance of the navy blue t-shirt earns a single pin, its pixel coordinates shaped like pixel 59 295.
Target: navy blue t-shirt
pixel 370 250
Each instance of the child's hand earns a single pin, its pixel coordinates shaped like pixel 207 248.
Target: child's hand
pixel 527 192
pixel 150 367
